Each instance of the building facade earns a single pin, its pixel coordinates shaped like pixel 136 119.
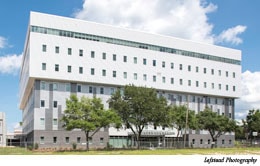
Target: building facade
pixel 64 56
pixel 2 129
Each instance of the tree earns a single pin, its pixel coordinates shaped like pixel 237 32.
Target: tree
pixel 252 122
pixel 215 124
pixel 87 114
pixel 177 118
pixel 137 107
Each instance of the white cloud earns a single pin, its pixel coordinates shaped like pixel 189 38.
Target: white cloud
pixel 2 42
pixel 250 99
pixel 10 64
pixel 231 35
pixel 186 19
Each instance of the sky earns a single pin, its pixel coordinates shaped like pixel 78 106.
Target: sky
pixel 231 23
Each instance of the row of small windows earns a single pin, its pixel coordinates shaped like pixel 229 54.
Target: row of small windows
pixel 201 141
pixel 67 140
pixel 131 44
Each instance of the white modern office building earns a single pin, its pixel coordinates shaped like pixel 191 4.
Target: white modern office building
pixel 64 56
pixel 2 129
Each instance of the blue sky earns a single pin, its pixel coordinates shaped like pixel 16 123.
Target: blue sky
pixel 229 23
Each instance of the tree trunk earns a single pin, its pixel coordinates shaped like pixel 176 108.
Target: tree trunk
pixel 138 140
pixel 87 140
pixel 215 143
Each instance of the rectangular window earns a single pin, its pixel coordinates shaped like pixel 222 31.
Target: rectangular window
pixel 219 72
pixel 234 75
pixel 154 62
pixel 197 83
pixel 44 48
pixel 163 80
pixel 135 60
pixel 180 67
pixel 42 121
pixel 104 55
pixel 69 51
pixel 57 49
pixel 42 103
pixel 226 73
pixel 205 84
pixel 212 71
pixel 56 67
pixel 144 61
pixel 189 82
pixel 205 70
pixel 43 87
pixel 114 57
pixel 163 64
pixel 80 52
pixel 92 54
pixel 55 86
pixel 172 65
pixel 54 140
pixel 226 87
pixel 219 86
pixel 144 77
pixel 78 140
pixel 55 122
pixel 104 72
pixel 125 59
pixel 92 71
pixel 80 70
pixel 79 88
pixel 189 68
pixel 67 140
pixel 69 69
pixel 55 104
pixel 67 86
pixel 172 80
pixel 212 86
pixel 181 81
pixel 43 66
pixel 101 140
pixel 101 90
pixel 114 74
pixel 197 69
pixel 154 78
pixel 112 90
pixel 135 76
pixel 90 89
pixel 125 75
pixel 41 140
pixel 234 88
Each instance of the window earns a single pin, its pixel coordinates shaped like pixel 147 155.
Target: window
pixel 92 71
pixel 226 73
pixel 43 87
pixel 56 67
pixel 135 76
pixel 189 68
pixel 180 66
pixel 135 60
pixel 112 90
pixel 55 86
pixel 57 49
pixel 114 74
pixel 79 88
pixel 219 86
pixel 163 64
pixel 55 104
pixel 54 140
pixel 181 81
pixel 154 78
pixel 41 140
pixel 104 72
pixel 172 80
pixel 92 54
pixel 42 121
pixel 90 89
pixel 125 59
pixel 69 69
pixel 189 82
pixel 43 66
pixel 205 84
pixel 163 80
pixel 125 75
pixel 205 70
pixel 90 140
pixel 80 52
pixel 234 88
pixel 201 141
pixel 172 65
pixel 67 86
pixel 80 70
pixel 67 140
pixel 78 140
pixel 154 62
pixel 55 122
pixel 209 141
pixel 230 141
pixel 104 56
pixel 69 51
pixel 223 141
pixel 226 87
pixel 144 77
pixel 144 61
pixel 101 140
pixel 197 69
pixel 234 75
pixel 212 86
pixel 114 57
pixel 219 72
pixel 44 48
pixel 197 83
pixel 193 141
pixel 42 103
pixel 212 71
pixel 101 90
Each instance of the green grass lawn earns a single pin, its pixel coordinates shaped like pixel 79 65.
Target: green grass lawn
pixel 216 151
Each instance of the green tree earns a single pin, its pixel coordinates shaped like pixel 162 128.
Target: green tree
pixel 137 107
pixel 87 114
pixel 252 122
pixel 215 124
